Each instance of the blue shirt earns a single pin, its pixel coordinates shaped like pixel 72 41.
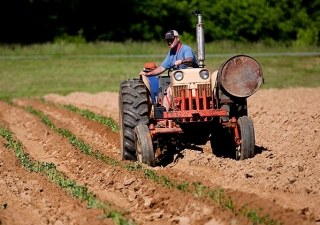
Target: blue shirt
pixel 184 52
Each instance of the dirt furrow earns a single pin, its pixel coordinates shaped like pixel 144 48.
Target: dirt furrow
pixel 148 202
pixel 32 197
pixel 282 180
pixel 178 171
pixel 286 172
pixel 98 103
pixel 90 132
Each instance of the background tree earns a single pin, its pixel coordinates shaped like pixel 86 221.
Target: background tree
pixel 38 21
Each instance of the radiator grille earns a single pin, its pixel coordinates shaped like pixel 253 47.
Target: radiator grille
pixel 176 90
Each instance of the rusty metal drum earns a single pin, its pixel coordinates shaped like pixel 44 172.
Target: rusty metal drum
pixel 240 76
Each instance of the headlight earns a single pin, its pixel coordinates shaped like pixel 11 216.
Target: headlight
pixel 178 76
pixel 204 74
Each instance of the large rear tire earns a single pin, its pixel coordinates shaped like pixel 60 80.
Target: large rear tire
pixel 247 147
pixel 133 110
pixel 144 145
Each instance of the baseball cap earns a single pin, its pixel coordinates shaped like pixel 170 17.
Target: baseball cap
pixel 149 66
pixel 171 34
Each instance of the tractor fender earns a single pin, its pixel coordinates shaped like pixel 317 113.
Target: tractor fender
pixel 146 81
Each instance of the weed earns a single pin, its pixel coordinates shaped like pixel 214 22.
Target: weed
pixel 183 187
pixel 199 189
pixel 229 204
pixel 133 167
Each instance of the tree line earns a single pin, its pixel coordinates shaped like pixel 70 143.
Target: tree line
pixel 268 21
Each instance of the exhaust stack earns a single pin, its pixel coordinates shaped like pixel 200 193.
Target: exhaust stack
pixel 200 39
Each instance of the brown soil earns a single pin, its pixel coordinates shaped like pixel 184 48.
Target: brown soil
pixel 282 181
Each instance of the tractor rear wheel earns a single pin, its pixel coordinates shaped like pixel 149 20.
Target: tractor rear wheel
pixel 247 147
pixel 133 110
pixel 144 145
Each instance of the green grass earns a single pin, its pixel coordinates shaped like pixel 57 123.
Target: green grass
pixel 37 70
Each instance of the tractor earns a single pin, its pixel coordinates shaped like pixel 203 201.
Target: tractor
pixel 206 107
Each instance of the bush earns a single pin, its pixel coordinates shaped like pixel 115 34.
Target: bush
pixel 67 39
pixel 307 37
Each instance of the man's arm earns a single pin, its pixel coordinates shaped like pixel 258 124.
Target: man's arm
pixel 154 72
pixel 187 62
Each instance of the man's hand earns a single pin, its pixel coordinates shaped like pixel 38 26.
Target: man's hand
pixel 178 62
pixel 142 73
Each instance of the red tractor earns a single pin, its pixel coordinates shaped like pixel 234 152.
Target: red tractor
pixel 205 107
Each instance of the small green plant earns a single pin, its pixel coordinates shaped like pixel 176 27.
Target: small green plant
pixel 164 181
pixel 183 187
pixel 199 189
pixel 229 204
pixel 133 167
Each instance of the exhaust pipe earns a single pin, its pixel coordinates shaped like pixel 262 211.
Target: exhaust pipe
pixel 200 39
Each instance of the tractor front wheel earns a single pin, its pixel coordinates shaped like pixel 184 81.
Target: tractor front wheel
pixel 247 147
pixel 144 145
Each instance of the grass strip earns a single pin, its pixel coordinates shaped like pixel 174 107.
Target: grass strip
pixel 197 188
pixel 107 121
pixel 50 170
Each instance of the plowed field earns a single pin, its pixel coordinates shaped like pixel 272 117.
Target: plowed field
pixel 280 185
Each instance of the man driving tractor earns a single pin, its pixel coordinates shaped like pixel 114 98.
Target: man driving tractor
pixel 180 56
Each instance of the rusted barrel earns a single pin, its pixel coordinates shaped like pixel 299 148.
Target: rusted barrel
pixel 240 76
